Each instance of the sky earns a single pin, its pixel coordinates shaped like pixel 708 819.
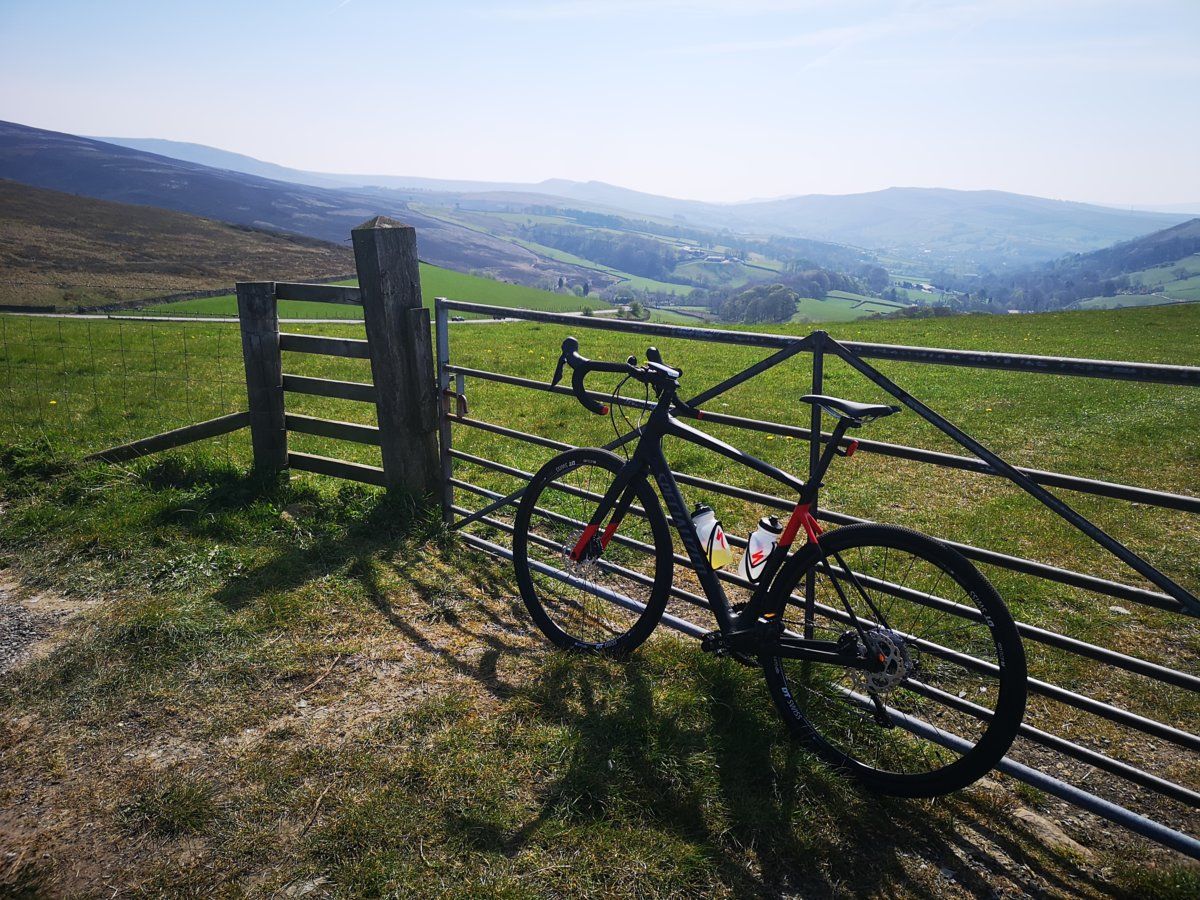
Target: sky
pixel 718 100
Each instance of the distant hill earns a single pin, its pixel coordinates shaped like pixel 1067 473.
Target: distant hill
pixel 248 165
pixel 959 230
pixel 104 171
pixel 60 250
pixel 1155 268
pixel 922 229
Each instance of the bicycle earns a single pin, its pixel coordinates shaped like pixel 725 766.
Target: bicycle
pixel 594 560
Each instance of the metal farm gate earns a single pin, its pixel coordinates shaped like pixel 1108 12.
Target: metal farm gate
pixel 1167 595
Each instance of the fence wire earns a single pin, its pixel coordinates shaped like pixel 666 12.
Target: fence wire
pixel 82 385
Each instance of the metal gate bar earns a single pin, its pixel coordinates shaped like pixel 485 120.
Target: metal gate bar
pixel 1119 815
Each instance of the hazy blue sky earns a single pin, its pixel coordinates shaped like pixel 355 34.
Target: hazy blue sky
pixel 711 99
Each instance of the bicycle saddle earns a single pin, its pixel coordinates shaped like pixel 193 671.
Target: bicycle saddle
pixel 857 413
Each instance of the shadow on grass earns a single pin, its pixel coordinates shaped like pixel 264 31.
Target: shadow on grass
pixel 684 744
pixel 674 741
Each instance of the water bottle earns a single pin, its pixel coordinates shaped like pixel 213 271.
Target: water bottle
pixel 759 547
pixel 712 537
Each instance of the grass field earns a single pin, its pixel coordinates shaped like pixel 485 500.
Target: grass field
pixel 1162 280
pixel 435 282
pixel 840 306
pixel 1123 301
pixel 305 681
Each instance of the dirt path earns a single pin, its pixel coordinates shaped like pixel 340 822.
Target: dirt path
pixel 29 620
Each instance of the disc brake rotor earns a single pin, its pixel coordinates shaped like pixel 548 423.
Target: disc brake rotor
pixel 890 652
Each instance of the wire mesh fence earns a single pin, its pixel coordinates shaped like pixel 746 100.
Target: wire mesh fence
pixel 83 385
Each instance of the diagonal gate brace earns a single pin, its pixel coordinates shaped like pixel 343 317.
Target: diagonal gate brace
pixel 1188 601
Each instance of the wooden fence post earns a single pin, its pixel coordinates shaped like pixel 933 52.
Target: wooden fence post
pixel 259 320
pixel 389 277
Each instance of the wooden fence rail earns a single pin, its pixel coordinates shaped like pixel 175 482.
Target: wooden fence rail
pixel 398 346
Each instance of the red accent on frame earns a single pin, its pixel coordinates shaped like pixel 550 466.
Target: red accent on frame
pixel 609 532
pixel 793 525
pixel 604 409
pixel 851 447
pixel 812 527
pixel 699 414
pixel 584 540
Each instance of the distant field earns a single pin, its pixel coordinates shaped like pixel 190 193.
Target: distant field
pixel 719 275
pixel 841 306
pixel 916 296
pixel 1162 280
pixel 435 282
pixel 1165 274
pixel 670 317
pixel 1122 301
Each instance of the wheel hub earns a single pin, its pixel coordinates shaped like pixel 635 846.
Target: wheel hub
pixel 588 561
pixel 890 660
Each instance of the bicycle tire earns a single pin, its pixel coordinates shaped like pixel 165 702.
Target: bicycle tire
pixel 622 632
pixel 831 718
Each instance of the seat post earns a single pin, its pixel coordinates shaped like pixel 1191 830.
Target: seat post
pixel 818 474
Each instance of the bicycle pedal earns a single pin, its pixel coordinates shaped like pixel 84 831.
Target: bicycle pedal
pixel 713 642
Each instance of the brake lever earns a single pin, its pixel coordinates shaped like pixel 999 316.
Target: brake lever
pixel 558 371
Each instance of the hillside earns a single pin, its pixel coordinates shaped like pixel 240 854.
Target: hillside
pixel 1158 268
pixel 92 168
pixel 960 230
pixel 926 228
pixel 61 250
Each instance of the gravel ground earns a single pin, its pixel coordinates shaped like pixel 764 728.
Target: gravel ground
pixel 22 628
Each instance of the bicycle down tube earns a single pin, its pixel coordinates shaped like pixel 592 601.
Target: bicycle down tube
pixel 648 457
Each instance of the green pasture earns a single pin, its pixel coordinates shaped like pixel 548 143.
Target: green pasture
pixel 128 380
pixel 220 575
pixel 840 306
pixel 1123 301
pixel 435 282
pixel 1165 274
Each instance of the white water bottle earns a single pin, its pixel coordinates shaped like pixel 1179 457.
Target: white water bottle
pixel 712 537
pixel 761 545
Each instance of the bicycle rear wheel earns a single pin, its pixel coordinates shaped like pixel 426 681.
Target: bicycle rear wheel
pixel 950 664
pixel 611 601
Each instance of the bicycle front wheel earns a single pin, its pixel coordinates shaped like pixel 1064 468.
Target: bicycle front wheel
pixel 945 694
pixel 610 601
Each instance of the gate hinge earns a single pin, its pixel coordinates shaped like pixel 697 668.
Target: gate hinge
pixel 460 403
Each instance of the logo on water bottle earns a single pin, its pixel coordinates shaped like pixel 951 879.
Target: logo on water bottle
pixel 759 547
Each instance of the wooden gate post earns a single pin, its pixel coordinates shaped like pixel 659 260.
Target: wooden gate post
pixel 259 319
pixel 389 277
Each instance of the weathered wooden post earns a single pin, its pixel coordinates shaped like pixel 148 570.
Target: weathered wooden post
pixel 259 318
pixel 385 252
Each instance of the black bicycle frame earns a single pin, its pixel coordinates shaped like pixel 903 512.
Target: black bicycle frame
pixel 648 456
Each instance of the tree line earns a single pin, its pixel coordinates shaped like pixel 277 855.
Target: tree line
pixel 776 300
